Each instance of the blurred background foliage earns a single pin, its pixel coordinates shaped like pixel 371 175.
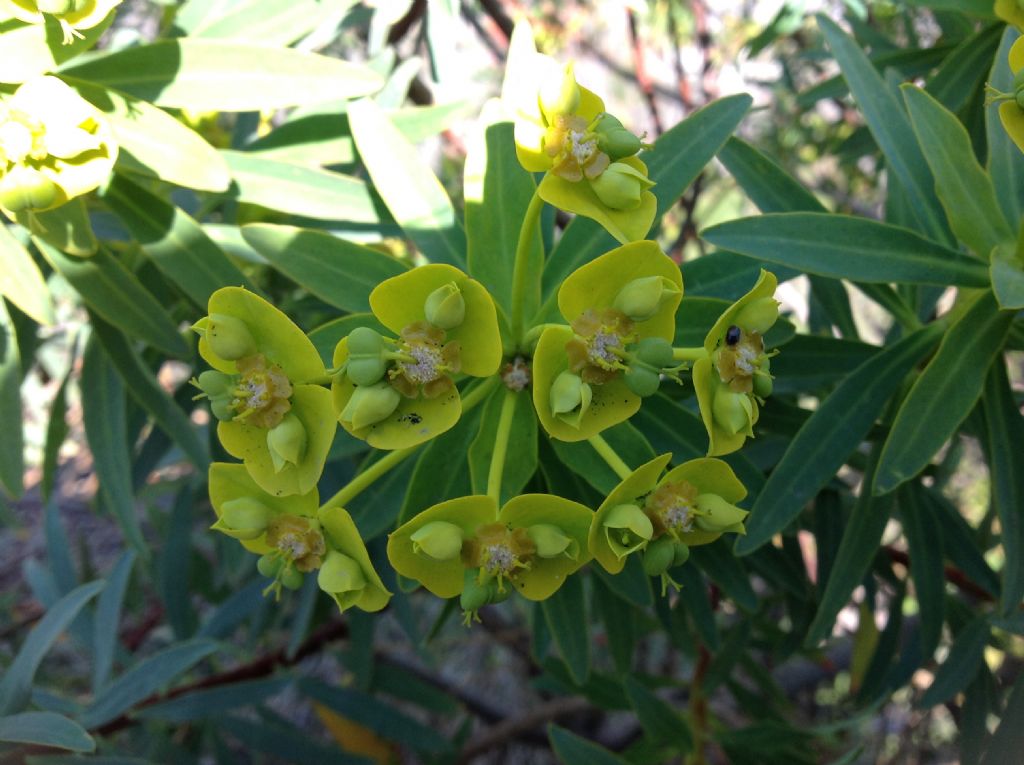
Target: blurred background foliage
pixel 180 659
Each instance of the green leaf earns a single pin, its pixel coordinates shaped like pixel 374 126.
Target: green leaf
pixel 965 190
pixel 573 750
pixel 727 275
pixel 12 460
pixel 810 362
pixel 963 69
pixel 174 241
pixel 617 616
pixel 106 430
pixel 306 191
pixel 566 615
pixel 678 157
pixel 1006 270
pixel 268 22
pixel 21 281
pixel 108 619
pixel 440 471
pixel 68 227
pixel 945 392
pixel 154 144
pixel 924 543
pixel 498 192
pixel 521 457
pixel 580 457
pixel 846 247
pixel 831 434
pixel 171 570
pixel 661 723
pixel 1004 434
pixel 56 432
pixel 1005 160
pixel 213 702
pixel 380 717
pixel 411 191
pixel 16 685
pixel 337 271
pixel 29 50
pixel 46 729
pixel 890 127
pixel 725 570
pixel 113 292
pixel 144 679
pixel 217 75
pixel 960 666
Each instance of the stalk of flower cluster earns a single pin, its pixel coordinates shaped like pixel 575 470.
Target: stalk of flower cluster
pixel 609 455
pixel 501 437
pixel 689 354
pixel 381 467
pixel 520 267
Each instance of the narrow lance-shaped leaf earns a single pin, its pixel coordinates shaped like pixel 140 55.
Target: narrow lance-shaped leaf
pixel 21 281
pixel 847 247
pixel 1005 160
pixel 924 543
pixel 46 729
pixel 944 393
pixel 965 190
pixel 831 434
pixel 566 615
pixel 12 461
pixel 411 191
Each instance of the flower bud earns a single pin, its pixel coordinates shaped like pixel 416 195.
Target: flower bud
pixel 715 514
pixel 214 383
pixel 286 442
pixel 733 412
pixel 340 574
pixel 445 307
pixel 551 541
pixel 229 337
pixel 627 528
pixel 758 315
pixel 659 556
pixel 366 371
pixel 620 186
pixel 269 565
pixel 642 298
pixel 614 140
pixel 364 342
pixel 561 96
pixel 762 385
pixel 243 518
pixel 642 381
pixel 439 540
pixel 655 351
pixel 370 404
pixel 25 188
pixel 568 392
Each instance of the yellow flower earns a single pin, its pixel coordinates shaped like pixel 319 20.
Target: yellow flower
pixel 54 146
pixel 1011 105
pixel 72 15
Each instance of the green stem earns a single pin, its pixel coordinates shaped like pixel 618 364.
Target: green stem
pixel 609 455
pixel 520 271
pixel 508 408
pixel 380 468
pixel 689 354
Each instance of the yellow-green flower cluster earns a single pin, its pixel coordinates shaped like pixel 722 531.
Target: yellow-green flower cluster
pixel 54 146
pixel 72 15
pixel 397 392
pixel 563 130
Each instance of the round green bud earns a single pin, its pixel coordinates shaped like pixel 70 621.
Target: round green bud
pixel 291 578
pixel 364 342
pixel 658 556
pixel 715 514
pixel 1019 98
pixel 681 554
pixel 445 307
pixel 269 565
pixel 25 188
pixel 366 371
pixel 732 412
pixel 551 541
pixel 627 528
pixel 655 351
pixel 439 540
pixel 243 518
pixel 560 96
pixel 214 383
pixel 569 392
pixel 370 404
pixel 56 7
pixel 762 385
pixel 642 381
pixel 758 315
pixel 339 573
pixel 229 337
pixel 222 409
pixel 287 441
pixel 621 186
pixel 614 140
pixel 642 298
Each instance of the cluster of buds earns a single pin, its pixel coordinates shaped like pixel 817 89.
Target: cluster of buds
pixel 397 392
pixel 54 146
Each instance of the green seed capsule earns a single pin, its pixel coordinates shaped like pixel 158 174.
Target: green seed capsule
pixel 762 385
pixel 642 381
pixel 269 565
pixel 229 337
pixel 291 579
pixel 658 556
